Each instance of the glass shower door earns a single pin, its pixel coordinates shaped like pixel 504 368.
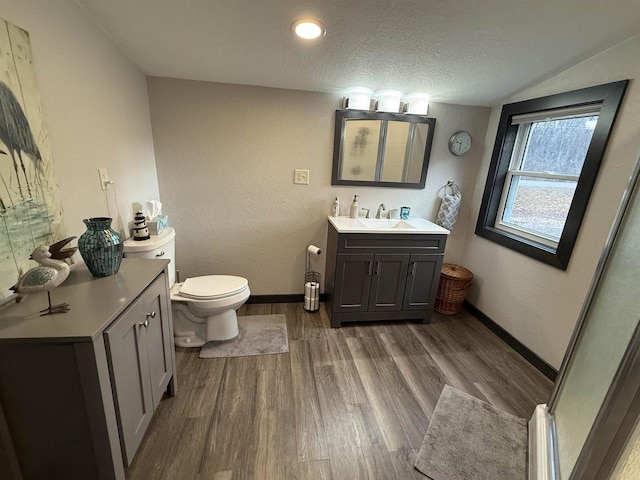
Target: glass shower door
pixel 608 323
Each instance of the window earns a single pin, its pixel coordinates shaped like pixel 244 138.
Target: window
pixel 544 165
pixel 546 162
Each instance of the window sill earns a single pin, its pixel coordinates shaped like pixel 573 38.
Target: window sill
pixel 538 251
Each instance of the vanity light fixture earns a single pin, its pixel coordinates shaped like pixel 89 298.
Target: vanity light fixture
pixel 417 103
pixel 308 29
pixel 388 101
pixel 358 98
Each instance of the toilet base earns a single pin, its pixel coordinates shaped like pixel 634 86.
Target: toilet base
pixel 189 341
pixel 191 331
pixel 223 326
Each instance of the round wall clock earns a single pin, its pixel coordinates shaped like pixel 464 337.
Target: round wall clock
pixel 460 143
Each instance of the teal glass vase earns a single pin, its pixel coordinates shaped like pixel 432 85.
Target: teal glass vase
pixel 101 247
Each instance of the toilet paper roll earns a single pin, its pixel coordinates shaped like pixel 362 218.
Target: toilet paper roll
pixel 311 304
pixel 313 250
pixel 311 289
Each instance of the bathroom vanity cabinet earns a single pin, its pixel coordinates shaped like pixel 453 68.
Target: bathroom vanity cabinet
pixel 382 276
pixel 78 390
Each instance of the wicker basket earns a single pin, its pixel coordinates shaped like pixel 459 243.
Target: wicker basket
pixel 454 285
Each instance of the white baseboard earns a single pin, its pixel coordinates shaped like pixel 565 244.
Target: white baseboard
pixel 540 445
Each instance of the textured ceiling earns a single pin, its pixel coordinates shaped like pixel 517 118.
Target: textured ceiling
pixel 473 52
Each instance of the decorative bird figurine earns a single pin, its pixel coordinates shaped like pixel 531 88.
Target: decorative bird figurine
pixel 51 273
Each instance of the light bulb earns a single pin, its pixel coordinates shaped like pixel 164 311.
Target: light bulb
pixel 308 29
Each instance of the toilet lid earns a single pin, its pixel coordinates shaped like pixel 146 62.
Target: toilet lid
pixel 212 286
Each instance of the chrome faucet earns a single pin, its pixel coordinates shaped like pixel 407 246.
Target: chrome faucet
pixel 382 208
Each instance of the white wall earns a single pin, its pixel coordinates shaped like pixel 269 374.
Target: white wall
pixel 225 156
pixel 95 107
pixel 628 466
pixel 536 303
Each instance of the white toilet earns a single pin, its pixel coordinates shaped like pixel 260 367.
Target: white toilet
pixel 204 308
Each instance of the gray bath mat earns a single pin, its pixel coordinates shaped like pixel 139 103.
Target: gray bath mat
pixel 259 335
pixel 468 439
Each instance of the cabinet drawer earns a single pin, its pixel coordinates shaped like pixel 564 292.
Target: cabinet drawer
pixel 386 243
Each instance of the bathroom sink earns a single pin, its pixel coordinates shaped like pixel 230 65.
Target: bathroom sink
pixel 384 223
pixel 371 225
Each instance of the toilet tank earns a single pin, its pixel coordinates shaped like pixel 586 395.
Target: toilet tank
pixel 158 246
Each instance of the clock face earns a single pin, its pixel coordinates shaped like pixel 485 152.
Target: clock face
pixel 460 143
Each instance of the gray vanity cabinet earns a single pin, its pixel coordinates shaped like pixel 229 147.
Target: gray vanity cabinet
pixel 388 282
pixel 369 282
pixel 159 339
pixel 382 276
pixel 424 270
pixel 131 379
pixel 139 351
pixel 78 390
pixel 353 282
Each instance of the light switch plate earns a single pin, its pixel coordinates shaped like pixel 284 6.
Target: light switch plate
pixel 301 177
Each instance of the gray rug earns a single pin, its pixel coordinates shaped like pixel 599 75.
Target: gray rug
pixel 468 439
pixel 259 335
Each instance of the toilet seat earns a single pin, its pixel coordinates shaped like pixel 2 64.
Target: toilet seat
pixel 212 287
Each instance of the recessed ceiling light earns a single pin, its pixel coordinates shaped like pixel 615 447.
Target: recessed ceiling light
pixel 308 29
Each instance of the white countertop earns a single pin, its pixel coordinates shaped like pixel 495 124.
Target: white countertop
pixel 370 225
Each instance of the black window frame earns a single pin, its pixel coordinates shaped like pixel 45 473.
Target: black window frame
pixel 609 96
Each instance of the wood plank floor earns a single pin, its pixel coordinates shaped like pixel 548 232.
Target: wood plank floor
pixel 347 403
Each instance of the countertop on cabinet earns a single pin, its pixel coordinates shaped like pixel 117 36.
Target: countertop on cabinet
pixel 95 303
pixel 409 226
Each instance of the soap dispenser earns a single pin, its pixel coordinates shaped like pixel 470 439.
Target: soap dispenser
pixel 353 212
pixel 336 208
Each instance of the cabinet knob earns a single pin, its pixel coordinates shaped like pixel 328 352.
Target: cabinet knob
pixel 152 314
pixel 144 324
pixel 161 254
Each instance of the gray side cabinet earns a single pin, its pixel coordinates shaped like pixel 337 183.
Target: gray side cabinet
pixel 382 276
pixel 78 390
pixel 139 352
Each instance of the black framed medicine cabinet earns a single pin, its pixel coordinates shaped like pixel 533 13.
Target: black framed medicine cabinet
pixel 379 149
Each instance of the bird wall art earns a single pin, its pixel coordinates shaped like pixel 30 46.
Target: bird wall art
pixel 30 205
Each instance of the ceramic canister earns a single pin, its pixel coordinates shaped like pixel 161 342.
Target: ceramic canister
pixel 100 247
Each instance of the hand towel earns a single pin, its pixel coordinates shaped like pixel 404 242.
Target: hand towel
pixel 450 206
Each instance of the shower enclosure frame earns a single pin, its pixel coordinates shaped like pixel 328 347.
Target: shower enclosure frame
pixel 620 409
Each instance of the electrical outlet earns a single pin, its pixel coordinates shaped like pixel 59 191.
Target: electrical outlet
pixel 104 178
pixel 301 177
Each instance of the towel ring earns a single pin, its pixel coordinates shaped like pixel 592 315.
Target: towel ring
pixel 453 186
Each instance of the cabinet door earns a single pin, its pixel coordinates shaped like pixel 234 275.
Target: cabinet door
pixel 388 282
pixel 353 281
pixel 130 378
pixel 158 337
pixel 422 282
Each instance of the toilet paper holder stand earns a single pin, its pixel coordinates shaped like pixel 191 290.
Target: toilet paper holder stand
pixel 311 282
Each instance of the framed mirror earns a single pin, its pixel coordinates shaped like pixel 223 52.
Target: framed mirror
pixel 380 149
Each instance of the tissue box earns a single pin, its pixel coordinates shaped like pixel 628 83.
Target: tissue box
pixel 159 225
